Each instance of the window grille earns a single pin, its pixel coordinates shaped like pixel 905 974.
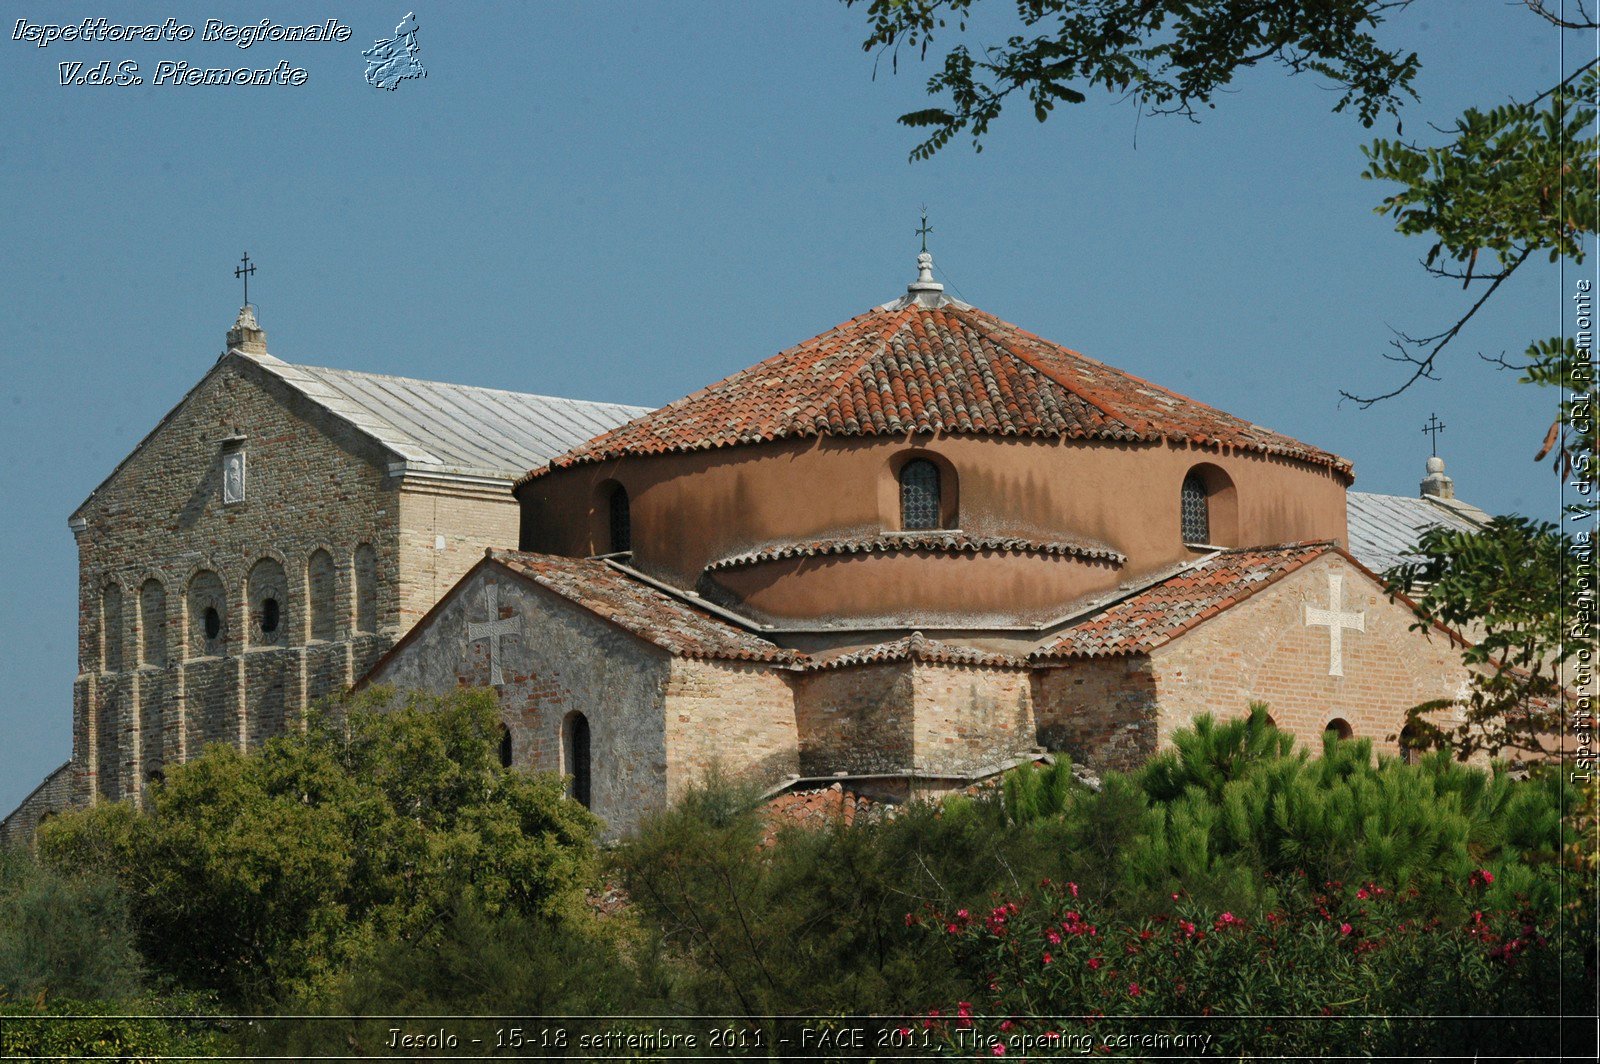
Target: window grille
pixel 919 495
pixel 1196 510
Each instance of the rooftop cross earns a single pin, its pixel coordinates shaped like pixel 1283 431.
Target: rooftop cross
pixel 245 271
pixel 924 229
pixel 1433 428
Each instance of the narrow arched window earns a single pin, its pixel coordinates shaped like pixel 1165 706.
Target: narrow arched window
pixel 1411 741
pixel 505 746
pixel 268 588
pixel 575 755
pixel 621 521
pixel 919 495
pixel 208 615
pixel 1196 510
pixel 1340 727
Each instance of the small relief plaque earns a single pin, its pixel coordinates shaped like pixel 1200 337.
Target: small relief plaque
pixel 233 476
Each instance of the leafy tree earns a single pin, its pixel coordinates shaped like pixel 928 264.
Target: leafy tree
pixel 1505 581
pixel 262 875
pixel 1170 55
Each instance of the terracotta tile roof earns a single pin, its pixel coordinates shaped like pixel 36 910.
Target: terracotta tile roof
pixel 1160 613
pixel 920 369
pixel 918 647
pixel 657 618
pixel 818 807
pixel 942 542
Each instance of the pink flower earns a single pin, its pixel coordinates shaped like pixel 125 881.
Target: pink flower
pixel 1006 1025
pixel 962 914
pixel 1055 939
pixel 1094 963
pixel 1345 929
pixel 1074 888
pixel 1227 918
pixel 1133 990
pixel 999 1050
pixel 1047 958
pixel 1362 893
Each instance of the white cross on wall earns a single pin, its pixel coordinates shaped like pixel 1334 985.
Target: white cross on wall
pixel 1336 621
pixel 492 630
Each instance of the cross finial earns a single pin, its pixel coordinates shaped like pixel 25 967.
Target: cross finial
pixel 1433 428
pixel 924 229
pixel 245 270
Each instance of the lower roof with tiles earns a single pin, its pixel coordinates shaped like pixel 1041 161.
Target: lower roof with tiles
pixel 1137 623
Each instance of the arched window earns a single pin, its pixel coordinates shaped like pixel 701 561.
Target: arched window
pixel 1196 510
pixel 1340 727
pixel 267 588
pixel 111 628
pixel 366 581
pixel 208 615
pixel 153 623
pixel 505 746
pixel 1410 744
pixel 621 521
pixel 575 755
pixel 321 584
pixel 919 495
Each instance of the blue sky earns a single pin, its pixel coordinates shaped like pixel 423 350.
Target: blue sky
pixel 626 201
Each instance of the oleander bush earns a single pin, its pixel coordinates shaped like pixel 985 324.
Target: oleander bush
pixel 1369 970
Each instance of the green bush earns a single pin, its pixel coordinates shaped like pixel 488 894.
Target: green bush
pixel 264 875
pixel 135 1030
pixel 63 936
pixel 1366 969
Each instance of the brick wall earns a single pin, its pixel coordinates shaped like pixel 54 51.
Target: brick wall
pixel 1262 649
pixel 735 716
pixel 969 717
pixel 561 660
pixel 857 720
pixel 154 685
pixel 1101 712
pixel 442 534
pixel 58 791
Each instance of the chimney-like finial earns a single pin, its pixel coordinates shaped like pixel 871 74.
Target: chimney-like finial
pixel 1436 483
pixel 247 335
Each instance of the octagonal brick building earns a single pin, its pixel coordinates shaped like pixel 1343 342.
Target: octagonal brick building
pixel 909 552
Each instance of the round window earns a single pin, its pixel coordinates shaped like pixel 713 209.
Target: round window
pixel 269 616
pixel 213 622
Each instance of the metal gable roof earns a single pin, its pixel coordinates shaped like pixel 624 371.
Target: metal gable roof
pixel 1384 527
pixel 453 428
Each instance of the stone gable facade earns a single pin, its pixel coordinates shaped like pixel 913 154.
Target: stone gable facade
pixel 256 552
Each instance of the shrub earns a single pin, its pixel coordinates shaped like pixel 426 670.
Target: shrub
pixel 62 936
pixel 1365 968
pixel 263 875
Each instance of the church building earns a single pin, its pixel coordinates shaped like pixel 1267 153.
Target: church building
pixel 907 554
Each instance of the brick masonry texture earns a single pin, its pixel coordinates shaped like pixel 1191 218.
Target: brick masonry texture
pixel 1262 649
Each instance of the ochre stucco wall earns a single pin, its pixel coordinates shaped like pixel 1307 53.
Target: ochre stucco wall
pixel 691 509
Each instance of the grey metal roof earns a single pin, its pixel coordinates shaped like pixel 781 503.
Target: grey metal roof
pixel 1383 527
pixel 452 428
